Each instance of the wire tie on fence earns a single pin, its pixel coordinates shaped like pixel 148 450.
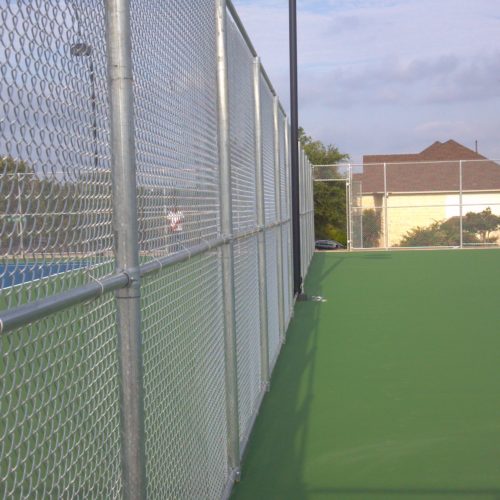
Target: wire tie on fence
pixel 187 250
pixel 209 245
pixel 99 282
pixel 156 259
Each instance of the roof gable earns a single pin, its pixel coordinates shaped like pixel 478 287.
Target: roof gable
pixel 436 168
pixel 449 150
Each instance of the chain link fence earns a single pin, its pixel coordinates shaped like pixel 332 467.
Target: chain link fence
pixel 306 211
pixel 138 331
pixel 420 204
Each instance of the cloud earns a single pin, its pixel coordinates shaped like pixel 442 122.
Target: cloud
pixel 437 80
pixel 381 67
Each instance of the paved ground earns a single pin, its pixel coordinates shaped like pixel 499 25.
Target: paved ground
pixel 391 388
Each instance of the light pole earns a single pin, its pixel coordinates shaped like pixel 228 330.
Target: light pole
pixel 85 50
pixel 294 139
pixel 19 218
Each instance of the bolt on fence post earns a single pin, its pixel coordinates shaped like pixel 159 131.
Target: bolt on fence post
pixel 231 371
pixel 123 159
pixel 277 197
pixel 386 222
pixel 261 241
pixel 461 204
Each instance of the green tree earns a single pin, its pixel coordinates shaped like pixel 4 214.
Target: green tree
pixel 329 197
pixel 482 224
pixel 372 228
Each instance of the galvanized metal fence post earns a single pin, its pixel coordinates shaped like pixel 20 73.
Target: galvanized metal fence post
pixel 123 158
pixel 386 222
pixel 261 222
pixel 461 204
pixel 311 210
pixel 231 371
pixel 299 178
pixel 288 214
pixel 277 196
pixel 349 207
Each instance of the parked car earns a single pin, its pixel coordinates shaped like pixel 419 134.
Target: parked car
pixel 328 245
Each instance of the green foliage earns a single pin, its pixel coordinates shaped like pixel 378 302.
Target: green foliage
pixel 437 234
pixel 372 228
pixel 329 197
pixel 477 228
pixel 329 211
pixel 318 153
pixel 482 224
pixel 9 165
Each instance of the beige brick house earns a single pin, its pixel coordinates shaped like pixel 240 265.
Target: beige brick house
pixel 413 190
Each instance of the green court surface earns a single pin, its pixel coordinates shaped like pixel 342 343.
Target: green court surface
pixel 391 388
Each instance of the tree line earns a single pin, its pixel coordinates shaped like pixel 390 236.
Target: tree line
pixel 51 213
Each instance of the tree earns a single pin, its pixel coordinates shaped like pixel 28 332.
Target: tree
pixel 318 153
pixel 329 197
pixel 482 224
pixel 372 228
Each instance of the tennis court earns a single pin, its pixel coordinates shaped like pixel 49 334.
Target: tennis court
pixel 24 272
pixel 390 388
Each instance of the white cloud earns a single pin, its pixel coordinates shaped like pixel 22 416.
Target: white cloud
pixel 383 68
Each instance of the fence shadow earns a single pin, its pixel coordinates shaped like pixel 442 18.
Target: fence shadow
pixel 275 460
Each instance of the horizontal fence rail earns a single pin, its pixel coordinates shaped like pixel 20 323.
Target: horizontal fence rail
pixel 145 247
pixel 420 204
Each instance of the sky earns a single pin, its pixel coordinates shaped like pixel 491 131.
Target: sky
pixel 387 76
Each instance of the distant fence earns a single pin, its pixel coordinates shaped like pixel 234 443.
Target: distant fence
pixel 420 204
pixel 146 247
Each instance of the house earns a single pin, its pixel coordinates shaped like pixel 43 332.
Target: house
pixel 411 190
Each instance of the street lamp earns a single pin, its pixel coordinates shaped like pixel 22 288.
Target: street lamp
pixel 85 50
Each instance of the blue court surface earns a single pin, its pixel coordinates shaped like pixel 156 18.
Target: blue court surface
pixel 24 272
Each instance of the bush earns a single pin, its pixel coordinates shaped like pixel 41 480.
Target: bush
pixel 477 228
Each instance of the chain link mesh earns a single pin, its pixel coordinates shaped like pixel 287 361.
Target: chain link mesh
pixel 480 210
pixel 283 165
pixel 272 295
pixel 242 131
pixel 287 289
pixel 59 412
pixel 267 119
pixel 416 204
pixel 306 213
pixel 175 96
pixel 184 380
pixel 247 331
pixel 59 376
pixel 55 191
